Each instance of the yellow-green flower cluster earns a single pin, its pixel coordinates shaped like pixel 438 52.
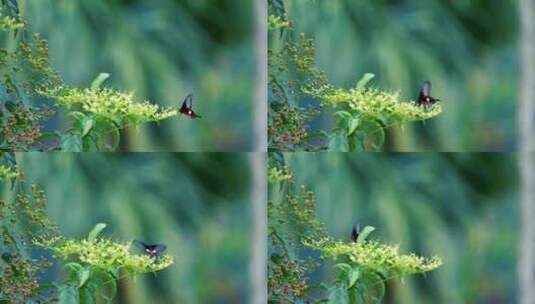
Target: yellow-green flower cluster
pixel 8 173
pixel 107 254
pixel 379 257
pixel 380 105
pixel 276 175
pixel 8 23
pixel 277 22
pixel 110 104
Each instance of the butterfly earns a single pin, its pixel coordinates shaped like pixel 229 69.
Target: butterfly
pixel 425 97
pixel 355 232
pixel 186 109
pixel 151 250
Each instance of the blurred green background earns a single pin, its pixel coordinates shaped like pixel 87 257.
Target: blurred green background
pixel 461 207
pixel 196 203
pixel 467 49
pixel 162 50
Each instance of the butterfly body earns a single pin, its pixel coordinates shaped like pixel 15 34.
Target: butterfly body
pixel 355 233
pixel 151 250
pixel 186 108
pixel 425 98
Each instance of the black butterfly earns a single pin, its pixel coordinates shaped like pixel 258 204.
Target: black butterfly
pixel 151 250
pixel 425 97
pixel 355 232
pixel 186 109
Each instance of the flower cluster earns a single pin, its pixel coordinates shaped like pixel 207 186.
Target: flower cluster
pixel 287 126
pixel 378 257
pixel 277 22
pixel 8 173
pixel 8 23
pixel 277 175
pixel 105 254
pixel 379 105
pixel 109 104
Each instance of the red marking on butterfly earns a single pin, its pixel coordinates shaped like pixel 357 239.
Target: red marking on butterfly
pixel 186 107
pixel 425 98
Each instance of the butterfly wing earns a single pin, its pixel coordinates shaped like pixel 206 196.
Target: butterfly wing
pixel 426 89
pixel 355 232
pixel 158 248
pixel 139 244
pixel 184 107
pixel 190 99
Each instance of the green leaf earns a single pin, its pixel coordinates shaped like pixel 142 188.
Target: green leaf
pixel 373 285
pixel 99 80
pixel 108 135
pixel 338 143
pixel 345 115
pixel 96 231
pixel 71 142
pixel 363 235
pixel 73 268
pixel 78 116
pixel 343 267
pixel 13 7
pixel 363 81
pixel 83 276
pixel 89 144
pixel 338 295
pixel 87 294
pixel 106 284
pixel 87 124
pixel 353 124
pixel 353 276
pixel 68 294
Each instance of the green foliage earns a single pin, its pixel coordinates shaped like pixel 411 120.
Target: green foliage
pixel 366 113
pixel 162 51
pixel 22 217
pixel 460 47
pixel 97 114
pixel 365 265
pixel 100 115
pixel 94 265
pixel 363 114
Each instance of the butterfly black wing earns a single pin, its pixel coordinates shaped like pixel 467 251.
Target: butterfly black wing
pixel 139 244
pixel 355 232
pixel 188 101
pixel 152 250
pixel 426 89
pixel 158 248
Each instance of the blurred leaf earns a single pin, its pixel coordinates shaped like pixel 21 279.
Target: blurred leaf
pixel 353 124
pixel 373 285
pixel 338 295
pixel 363 235
pixel 344 267
pixel 99 80
pixel 83 276
pixel 338 142
pixel 353 276
pixel 68 294
pixel 71 142
pixel 88 123
pixel 96 231
pixel 363 81
pixel 13 7
pixel 345 115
